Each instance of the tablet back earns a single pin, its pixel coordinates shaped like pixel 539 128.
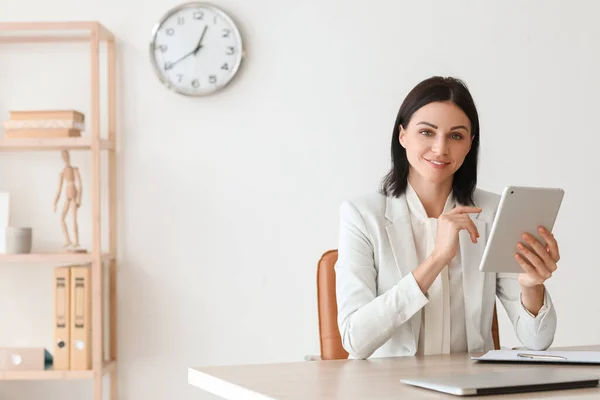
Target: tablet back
pixel 522 209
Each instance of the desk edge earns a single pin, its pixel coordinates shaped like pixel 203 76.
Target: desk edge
pixel 222 388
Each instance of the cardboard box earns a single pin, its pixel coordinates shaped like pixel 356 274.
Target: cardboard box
pixel 24 359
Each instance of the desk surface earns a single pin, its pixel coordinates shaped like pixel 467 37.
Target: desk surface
pixel 361 379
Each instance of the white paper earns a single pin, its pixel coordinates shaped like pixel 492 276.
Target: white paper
pixel 513 355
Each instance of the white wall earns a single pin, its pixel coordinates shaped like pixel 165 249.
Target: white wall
pixel 227 202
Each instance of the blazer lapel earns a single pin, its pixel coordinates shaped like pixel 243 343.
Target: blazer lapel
pixel 473 283
pixel 402 243
pixel 400 235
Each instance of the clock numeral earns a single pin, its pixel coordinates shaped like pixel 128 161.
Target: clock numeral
pixel 225 67
pixel 195 83
pixel 199 15
pixel 180 20
pixel 212 79
pixel 168 65
pixel 179 77
pixel 230 50
pixel 163 48
pixel 226 32
pixel 215 20
pixel 170 32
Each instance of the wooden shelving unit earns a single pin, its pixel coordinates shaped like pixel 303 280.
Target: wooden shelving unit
pixel 93 34
pixel 76 143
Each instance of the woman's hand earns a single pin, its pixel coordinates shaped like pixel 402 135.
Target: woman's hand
pixel 446 244
pixel 449 225
pixel 538 261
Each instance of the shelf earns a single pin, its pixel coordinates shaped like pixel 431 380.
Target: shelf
pixel 52 375
pixel 44 375
pixel 36 258
pixel 34 144
pixel 75 31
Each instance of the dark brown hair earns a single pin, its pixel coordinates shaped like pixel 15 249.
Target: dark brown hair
pixel 428 91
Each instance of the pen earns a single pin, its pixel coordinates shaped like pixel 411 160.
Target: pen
pixel 541 356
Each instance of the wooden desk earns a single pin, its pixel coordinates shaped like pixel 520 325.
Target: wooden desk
pixel 361 379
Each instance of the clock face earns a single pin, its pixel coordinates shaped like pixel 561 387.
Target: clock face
pixel 196 49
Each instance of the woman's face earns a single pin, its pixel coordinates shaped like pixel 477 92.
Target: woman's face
pixel 437 140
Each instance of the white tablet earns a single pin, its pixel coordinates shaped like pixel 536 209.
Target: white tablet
pixel 522 209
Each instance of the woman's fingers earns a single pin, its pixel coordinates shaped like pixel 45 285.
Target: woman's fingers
pixel 535 261
pixel 552 245
pixel 525 265
pixel 473 231
pixel 465 210
pixel 531 272
pixel 541 252
pixel 459 214
pixel 467 224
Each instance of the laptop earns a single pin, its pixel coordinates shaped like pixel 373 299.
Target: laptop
pixel 514 380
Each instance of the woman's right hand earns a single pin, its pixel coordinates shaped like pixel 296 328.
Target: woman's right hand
pixel 448 226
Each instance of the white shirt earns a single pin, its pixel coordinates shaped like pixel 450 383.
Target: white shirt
pixel 419 220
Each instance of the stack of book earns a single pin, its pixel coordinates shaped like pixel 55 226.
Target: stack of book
pixel 44 124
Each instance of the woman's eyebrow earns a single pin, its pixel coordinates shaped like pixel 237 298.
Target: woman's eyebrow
pixel 428 123
pixel 435 126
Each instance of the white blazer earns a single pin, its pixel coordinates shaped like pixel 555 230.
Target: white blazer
pixel 379 301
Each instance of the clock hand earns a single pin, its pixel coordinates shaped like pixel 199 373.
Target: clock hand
pixel 194 52
pixel 199 46
pixel 171 65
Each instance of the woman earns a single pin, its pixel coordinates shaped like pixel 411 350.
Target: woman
pixel 408 279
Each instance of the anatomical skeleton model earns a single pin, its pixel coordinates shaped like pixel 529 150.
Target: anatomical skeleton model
pixel 72 179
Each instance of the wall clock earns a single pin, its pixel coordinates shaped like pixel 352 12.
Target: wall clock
pixel 196 49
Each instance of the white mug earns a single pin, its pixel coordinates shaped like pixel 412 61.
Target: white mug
pixel 18 240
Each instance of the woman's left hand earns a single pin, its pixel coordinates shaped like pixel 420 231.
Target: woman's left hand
pixel 538 261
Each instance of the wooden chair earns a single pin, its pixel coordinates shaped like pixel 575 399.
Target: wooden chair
pixel 329 334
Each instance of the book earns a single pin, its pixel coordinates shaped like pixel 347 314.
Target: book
pixel 41 133
pixel 42 124
pixel 47 114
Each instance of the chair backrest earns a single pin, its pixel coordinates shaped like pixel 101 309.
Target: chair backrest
pixel 329 333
